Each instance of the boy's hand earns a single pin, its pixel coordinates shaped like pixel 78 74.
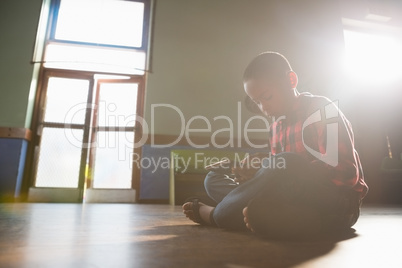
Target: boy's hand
pixel 248 167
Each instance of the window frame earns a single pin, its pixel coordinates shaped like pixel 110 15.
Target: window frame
pixel 54 12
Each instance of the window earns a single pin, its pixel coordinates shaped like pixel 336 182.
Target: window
pixel 98 35
pixel 372 58
pixel 114 23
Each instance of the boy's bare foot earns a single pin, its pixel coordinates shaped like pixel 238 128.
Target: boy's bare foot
pixel 246 220
pixel 204 212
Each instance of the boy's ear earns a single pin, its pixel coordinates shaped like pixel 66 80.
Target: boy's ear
pixel 293 79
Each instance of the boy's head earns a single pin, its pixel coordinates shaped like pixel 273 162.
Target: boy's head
pixel 270 82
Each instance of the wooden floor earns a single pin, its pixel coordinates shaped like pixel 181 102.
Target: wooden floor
pixel 123 235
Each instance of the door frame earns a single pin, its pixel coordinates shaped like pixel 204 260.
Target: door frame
pixel 30 169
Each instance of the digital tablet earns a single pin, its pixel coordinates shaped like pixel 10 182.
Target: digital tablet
pixel 224 166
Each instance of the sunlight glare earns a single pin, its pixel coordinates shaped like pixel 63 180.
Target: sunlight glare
pixel 372 59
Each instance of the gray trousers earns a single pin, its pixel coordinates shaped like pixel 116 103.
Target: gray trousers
pixel 290 196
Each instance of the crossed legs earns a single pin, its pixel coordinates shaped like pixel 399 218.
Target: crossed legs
pixel 276 202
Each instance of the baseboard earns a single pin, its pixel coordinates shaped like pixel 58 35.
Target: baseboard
pixel 110 196
pixel 154 201
pixel 54 195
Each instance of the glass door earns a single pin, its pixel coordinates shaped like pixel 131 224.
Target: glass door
pixel 62 132
pixel 112 137
pixel 85 139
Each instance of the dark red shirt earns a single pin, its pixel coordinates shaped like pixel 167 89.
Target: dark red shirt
pixel 318 130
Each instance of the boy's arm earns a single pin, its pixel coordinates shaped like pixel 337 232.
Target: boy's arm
pixel 347 172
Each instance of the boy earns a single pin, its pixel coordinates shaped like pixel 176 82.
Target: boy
pixel 320 186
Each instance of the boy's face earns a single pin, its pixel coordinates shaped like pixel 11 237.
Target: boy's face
pixel 272 97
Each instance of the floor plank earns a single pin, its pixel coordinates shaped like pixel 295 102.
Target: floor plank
pixel 125 235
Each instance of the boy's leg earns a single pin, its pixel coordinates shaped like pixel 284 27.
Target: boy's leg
pixel 218 185
pixel 268 180
pixel 290 200
pixel 345 217
pixel 280 217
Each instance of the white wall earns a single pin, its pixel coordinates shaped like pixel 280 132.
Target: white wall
pixel 18 25
pixel 201 47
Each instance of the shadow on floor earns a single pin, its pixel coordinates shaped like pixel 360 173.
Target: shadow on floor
pixel 200 246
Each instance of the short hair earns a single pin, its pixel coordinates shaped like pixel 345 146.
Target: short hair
pixel 268 64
